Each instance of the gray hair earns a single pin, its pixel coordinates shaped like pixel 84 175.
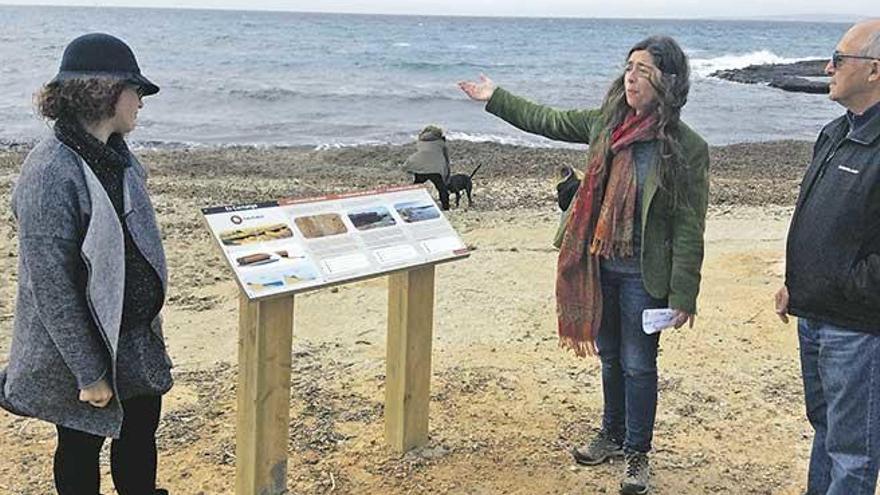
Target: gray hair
pixel 872 45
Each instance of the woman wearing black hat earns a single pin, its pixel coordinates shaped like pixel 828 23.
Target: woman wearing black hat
pixel 88 352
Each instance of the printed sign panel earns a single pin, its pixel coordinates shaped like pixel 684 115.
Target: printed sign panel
pixel 289 246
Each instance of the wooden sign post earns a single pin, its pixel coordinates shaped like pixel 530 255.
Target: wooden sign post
pixel 408 357
pixel 264 364
pixel 265 334
pixel 279 249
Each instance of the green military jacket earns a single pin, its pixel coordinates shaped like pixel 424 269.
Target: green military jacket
pixel 672 235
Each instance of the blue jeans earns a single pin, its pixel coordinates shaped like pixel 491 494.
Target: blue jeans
pixel 841 369
pixel 629 361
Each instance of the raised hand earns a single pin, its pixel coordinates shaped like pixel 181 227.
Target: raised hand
pixel 479 91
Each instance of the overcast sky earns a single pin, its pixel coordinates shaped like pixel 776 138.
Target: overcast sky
pixel 536 8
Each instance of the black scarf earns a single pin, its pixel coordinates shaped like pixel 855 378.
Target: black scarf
pixel 107 161
pixel 144 295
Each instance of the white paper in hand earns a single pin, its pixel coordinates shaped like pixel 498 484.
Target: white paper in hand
pixel 654 320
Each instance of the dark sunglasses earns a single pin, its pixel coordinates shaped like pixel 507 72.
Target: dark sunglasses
pixel 837 58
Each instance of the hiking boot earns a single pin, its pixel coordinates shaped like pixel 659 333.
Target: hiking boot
pixel 636 475
pixel 599 450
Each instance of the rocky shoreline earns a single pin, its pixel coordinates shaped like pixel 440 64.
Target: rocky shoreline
pixel 511 176
pixel 806 76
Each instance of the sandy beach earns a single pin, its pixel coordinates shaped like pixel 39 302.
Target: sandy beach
pixel 506 403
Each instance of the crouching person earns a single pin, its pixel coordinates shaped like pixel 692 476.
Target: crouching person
pixel 430 162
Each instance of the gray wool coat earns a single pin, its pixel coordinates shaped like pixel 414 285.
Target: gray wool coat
pixel 431 157
pixel 71 285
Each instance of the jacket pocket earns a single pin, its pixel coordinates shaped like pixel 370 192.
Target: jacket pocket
pixel 814 291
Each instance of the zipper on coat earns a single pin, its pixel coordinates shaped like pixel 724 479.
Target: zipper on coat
pixel 827 160
pixel 823 167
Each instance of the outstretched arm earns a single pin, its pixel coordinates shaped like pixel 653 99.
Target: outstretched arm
pixel 574 126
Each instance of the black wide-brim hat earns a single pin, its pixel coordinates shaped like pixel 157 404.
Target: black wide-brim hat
pixel 102 55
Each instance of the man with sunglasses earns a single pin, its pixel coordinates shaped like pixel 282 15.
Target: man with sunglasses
pixel 832 279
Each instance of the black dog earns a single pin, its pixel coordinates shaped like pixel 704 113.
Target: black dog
pixel 461 182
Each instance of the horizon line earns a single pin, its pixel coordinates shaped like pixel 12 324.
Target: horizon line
pixel 835 18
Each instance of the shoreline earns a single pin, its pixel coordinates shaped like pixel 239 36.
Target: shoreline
pixel 510 177
pixel 13 145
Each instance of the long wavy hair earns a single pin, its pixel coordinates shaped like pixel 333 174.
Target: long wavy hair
pixel 672 90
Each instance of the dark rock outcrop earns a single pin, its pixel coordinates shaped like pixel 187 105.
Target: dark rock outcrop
pixel 788 77
pixel 800 85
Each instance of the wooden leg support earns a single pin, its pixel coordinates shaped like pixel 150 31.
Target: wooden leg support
pixel 264 350
pixel 408 365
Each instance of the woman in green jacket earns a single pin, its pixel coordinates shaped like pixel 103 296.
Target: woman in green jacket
pixel 633 238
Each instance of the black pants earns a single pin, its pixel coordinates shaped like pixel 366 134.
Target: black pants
pixel 437 180
pixel 132 455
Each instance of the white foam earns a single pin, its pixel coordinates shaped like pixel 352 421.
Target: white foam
pixel 337 145
pixel 702 67
pixel 526 141
pixel 530 142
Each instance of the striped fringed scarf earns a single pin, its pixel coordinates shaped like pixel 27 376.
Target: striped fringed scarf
pixel 601 217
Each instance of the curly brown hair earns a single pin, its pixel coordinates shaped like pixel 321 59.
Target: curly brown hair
pixel 92 99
